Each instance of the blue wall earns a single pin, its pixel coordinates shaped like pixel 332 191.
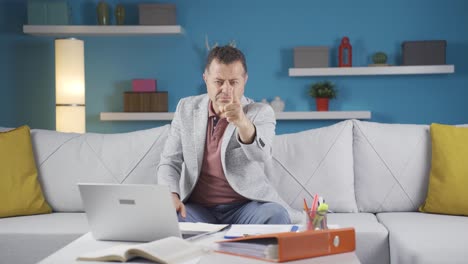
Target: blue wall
pixel 267 32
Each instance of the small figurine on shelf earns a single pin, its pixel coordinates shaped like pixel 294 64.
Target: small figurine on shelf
pixel 345 53
pixel 103 13
pixel 277 104
pixel 120 14
pixel 264 101
pixel 379 59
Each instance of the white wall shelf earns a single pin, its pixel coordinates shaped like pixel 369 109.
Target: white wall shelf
pixel 136 116
pixel 313 115
pixel 377 70
pixel 51 30
pixel 325 115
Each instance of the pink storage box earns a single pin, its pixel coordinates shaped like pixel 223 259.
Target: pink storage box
pixel 144 85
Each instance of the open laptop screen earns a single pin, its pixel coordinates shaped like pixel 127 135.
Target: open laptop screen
pixel 129 212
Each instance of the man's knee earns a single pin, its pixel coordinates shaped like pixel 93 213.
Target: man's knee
pixel 274 213
pixel 196 213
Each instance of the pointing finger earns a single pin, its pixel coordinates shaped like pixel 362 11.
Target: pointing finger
pixel 234 99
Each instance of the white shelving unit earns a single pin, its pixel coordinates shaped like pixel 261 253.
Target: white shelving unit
pixel 313 115
pixel 136 116
pixel 326 115
pixel 60 31
pixel 377 70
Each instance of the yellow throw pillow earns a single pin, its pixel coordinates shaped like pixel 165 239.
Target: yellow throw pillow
pixel 448 181
pixel 20 192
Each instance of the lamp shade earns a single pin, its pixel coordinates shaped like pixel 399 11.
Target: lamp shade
pixel 70 86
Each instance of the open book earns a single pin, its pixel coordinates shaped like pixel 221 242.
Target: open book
pixel 170 250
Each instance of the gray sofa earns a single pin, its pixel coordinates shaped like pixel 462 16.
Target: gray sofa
pixel 374 176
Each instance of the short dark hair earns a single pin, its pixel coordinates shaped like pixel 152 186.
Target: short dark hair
pixel 226 55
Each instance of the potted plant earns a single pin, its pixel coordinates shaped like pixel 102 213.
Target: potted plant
pixel 322 92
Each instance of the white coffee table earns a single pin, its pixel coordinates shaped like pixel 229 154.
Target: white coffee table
pixel 87 243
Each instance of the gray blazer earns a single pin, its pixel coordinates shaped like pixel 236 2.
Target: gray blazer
pixel 243 164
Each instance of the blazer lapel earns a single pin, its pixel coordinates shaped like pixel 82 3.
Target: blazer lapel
pixel 200 122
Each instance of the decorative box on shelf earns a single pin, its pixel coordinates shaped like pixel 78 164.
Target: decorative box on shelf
pixel 311 57
pixel 145 102
pixel 157 14
pixel 428 52
pixel 144 85
pixel 48 12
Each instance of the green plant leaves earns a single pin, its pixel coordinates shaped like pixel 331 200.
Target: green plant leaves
pixel 325 89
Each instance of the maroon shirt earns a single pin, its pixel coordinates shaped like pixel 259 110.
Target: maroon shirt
pixel 212 187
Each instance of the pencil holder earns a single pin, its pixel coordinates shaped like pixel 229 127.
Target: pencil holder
pixel 316 220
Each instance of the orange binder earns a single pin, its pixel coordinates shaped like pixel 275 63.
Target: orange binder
pixel 287 246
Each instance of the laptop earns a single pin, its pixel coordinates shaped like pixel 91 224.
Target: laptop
pixel 129 212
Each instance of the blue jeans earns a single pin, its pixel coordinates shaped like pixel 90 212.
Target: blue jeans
pixel 251 212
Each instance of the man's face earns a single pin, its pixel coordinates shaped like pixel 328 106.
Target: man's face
pixel 224 81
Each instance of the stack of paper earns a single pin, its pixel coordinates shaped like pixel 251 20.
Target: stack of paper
pixel 199 228
pixel 250 230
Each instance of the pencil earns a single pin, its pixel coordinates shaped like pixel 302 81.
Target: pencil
pixel 306 208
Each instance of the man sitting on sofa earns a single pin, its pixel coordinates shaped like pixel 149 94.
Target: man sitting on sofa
pixel 217 144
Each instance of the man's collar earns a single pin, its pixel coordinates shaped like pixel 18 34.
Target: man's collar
pixel 211 111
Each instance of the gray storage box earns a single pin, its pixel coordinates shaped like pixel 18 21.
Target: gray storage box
pixel 48 12
pixel 157 14
pixel 428 52
pixel 311 57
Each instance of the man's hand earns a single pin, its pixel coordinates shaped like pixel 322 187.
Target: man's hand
pixel 233 111
pixel 235 115
pixel 179 206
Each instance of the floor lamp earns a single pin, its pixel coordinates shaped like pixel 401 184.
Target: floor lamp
pixel 70 114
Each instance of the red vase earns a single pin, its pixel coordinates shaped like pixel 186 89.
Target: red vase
pixel 322 104
pixel 345 53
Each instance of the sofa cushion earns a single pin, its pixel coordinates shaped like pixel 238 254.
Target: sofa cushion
pixel 391 166
pixel 64 159
pixel 449 172
pixel 315 161
pixel 20 191
pixel 28 239
pixel 371 236
pixel 426 238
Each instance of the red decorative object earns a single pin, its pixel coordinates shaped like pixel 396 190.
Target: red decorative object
pixel 144 85
pixel 322 104
pixel 348 60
